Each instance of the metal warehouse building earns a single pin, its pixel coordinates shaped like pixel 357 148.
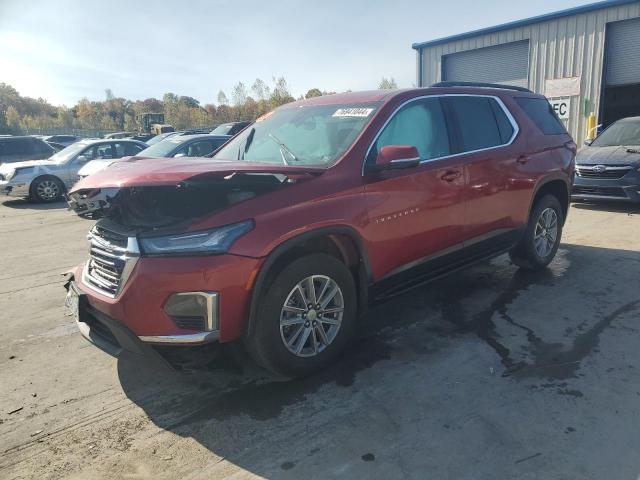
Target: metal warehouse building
pixel 584 59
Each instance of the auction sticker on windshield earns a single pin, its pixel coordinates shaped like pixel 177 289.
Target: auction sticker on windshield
pixel 353 112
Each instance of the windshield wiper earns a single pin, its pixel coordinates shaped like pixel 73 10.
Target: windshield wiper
pixel 283 148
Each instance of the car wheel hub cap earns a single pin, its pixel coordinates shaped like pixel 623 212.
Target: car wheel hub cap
pixel 311 316
pixel 47 190
pixel 546 232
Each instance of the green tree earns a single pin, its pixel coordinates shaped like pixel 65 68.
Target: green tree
pixel 13 120
pixel 387 84
pixel 314 92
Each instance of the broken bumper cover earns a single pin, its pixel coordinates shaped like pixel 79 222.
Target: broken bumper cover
pixel 138 311
pixel 10 189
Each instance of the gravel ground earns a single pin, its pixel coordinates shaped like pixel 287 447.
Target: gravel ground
pixel 489 373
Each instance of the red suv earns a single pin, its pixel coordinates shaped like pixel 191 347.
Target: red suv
pixel 319 208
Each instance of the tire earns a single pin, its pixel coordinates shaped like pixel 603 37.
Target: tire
pixel 536 249
pixel 268 342
pixel 46 189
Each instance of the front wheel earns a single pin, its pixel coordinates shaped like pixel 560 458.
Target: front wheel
pixel 305 317
pixel 541 239
pixel 46 189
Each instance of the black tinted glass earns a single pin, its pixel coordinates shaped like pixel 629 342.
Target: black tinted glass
pixel 542 114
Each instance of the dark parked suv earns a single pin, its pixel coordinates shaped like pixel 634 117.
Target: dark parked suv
pixel 19 149
pixel 318 209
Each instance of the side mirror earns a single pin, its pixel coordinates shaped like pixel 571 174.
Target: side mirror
pixel 81 159
pixel 588 142
pixel 394 157
pixel 181 154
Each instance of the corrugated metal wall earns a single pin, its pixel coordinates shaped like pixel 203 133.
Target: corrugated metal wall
pixel 565 47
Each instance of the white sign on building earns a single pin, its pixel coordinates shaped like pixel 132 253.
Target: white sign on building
pixel 562 107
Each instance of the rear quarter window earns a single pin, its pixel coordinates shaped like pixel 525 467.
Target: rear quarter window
pixel 541 113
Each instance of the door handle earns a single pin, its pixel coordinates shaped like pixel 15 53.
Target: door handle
pixel 450 175
pixel 522 159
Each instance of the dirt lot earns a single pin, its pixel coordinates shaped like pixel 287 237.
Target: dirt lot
pixel 490 373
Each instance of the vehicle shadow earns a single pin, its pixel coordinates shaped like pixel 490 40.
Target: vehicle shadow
pixel 24 204
pixel 616 207
pixel 309 427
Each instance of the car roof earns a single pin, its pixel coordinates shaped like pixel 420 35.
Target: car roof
pixel 16 137
pixel 186 138
pixel 91 141
pixel 629 119
pixel 371 96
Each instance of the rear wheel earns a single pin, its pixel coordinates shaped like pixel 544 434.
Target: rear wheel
pixel 46 189
pixel 541 239
pixel 305 317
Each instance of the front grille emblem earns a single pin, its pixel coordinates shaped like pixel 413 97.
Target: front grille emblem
pixel 600 168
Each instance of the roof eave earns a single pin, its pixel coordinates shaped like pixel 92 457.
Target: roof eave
pixel 524 22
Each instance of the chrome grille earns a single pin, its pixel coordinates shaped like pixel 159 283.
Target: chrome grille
pixel 605 172
pixel 112 257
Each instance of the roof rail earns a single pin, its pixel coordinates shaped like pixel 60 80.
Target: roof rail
pixel 482 85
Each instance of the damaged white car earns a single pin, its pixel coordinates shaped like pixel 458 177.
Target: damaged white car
pixel 48 180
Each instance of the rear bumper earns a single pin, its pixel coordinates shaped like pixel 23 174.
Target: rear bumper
pixel 626 189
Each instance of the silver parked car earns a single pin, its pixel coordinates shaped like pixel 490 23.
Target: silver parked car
pixel 47 180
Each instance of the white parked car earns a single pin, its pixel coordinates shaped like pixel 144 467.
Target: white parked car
pixel 47 180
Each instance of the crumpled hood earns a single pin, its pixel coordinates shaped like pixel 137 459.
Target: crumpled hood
pixel 139 172
pixel 8 167
pixel 615 155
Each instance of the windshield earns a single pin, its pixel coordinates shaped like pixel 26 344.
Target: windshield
pixel 66 153
pixel 302 135
pixel 625 132
pixel 222 129
pixel 159 138
pixel 161 149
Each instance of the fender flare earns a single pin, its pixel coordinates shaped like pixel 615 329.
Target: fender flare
pixel 546 180
pixel 364 267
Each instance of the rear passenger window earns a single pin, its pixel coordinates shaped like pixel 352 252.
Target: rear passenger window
pixel 420 124
pixel 481 123
pixel 541 113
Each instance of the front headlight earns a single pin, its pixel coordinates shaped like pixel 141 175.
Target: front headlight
pixel 18 171
pixel 9 175
pixel 207 242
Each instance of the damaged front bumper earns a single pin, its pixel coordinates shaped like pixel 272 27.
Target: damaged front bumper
pixel 103 331
pixel 14 189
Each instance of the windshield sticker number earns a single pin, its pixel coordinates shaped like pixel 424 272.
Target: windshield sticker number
pixel 353 112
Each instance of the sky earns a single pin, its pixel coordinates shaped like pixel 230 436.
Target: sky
pixel 65 50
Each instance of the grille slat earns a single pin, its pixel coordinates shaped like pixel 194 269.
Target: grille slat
pixel 613 192
pixel 612 172
pixel 109 261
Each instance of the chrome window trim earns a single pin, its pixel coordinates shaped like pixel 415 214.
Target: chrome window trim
pixel 507 112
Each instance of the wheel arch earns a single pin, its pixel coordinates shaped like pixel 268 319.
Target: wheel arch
pixel 556 186
pixel 342 242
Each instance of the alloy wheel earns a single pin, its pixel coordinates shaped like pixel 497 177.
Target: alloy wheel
pixel 546 232
pixel 311 315
pixel 48 190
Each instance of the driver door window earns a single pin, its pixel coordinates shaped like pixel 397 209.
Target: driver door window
pixel 420 124
pixel 104 152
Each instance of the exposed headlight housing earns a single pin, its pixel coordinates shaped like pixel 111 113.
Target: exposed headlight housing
pixel 205 242
pixel 18 171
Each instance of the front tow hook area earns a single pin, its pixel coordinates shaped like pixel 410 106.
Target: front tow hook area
pixel 104 332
